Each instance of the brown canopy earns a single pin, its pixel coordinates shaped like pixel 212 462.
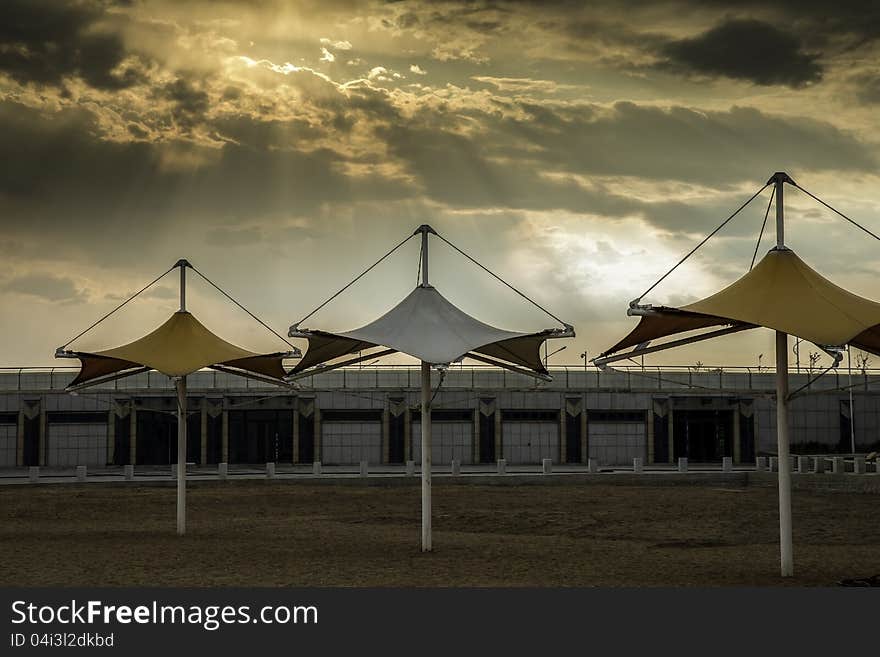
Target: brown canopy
pixel 783 293
pixel 178 347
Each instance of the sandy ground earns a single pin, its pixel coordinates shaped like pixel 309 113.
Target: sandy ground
pixel 295 534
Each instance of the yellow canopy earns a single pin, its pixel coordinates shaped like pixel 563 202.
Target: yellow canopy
pixel 178 347
pixel 782 293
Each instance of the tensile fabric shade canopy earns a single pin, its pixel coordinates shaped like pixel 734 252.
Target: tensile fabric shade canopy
pixel 180 346
pixel 427 326
pixel 782 293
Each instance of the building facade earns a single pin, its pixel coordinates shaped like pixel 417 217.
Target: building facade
pixel 480 414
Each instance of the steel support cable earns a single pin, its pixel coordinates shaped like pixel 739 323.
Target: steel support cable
pixel 811 381
pixel 132 297
pixel 763 225
pixel 836 211
pixel 437 389
pixel 109 404
pixel 498 278
pixel 355 280
pixel 705 239
pixel 257 319
pixel 646 375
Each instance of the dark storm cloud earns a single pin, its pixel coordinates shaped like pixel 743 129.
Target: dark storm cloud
pixel 508 165
pixel 817 19
pixel 44 41
pixel 43 286
pixel 57 178
pixel 189 102
pixel 745 49
pixel 711 147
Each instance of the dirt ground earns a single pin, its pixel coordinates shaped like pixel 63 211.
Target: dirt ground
pixel 295 534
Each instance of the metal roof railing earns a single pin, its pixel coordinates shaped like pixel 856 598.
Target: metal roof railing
pixel 729 379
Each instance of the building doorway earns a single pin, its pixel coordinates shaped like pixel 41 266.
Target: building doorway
pixel 703 436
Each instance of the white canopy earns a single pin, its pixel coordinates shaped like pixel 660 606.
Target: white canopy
pixel 427 326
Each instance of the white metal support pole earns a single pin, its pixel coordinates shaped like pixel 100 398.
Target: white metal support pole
pixel 426 420
pixel 181 423
pixel 181 455
pixel 784 475
pixel 852 413
pixel 426 457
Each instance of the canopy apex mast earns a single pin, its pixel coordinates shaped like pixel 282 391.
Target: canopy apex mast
pixel 778 179
pixel 183 263
pixel 425 230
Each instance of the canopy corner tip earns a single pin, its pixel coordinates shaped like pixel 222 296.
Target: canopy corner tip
pixel 296 332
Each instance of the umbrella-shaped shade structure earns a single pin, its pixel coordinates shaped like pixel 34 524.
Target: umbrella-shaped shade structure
pixel 782 293
pixel 427 326
pixel 180 346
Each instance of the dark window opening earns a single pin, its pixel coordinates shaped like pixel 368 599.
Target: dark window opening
pixel 359 415
pixel 572 439
pixel 747 438
pixel 214 446
pixel 487 438
pixel 260 436
pixel 530 416
pixel 121 440
pixel 661 439
pixel 306 439
pixel 703 436
pixel 76 417
pixel 616 416
pixel 396 438
pixel 32 441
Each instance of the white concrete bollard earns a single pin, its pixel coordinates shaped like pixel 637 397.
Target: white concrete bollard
pixel 637 464
pixel 456 468
pixel 33 474
pixel 818 464
pixel 364 469
pixel 761 463
pixel 546 466
pixel 502 466
pixel 727 464
pixel 128 472
pixel 838 466
pixel 80 473
pixel 222 470
pixel 270 471
pixel 804 466
pixel 859 465
pixel 410 468
pixel 774 464
pixel 682 464
pixel 592 466
pixel 316 468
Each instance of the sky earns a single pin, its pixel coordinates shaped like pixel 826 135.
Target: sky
pixel 282 147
